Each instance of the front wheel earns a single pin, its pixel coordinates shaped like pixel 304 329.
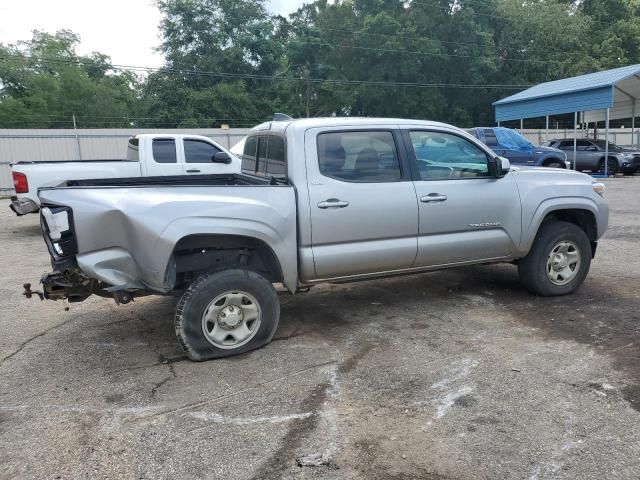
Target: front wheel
pixel 226 313
pixel 555 164
pixel 558 261
pixel 612 166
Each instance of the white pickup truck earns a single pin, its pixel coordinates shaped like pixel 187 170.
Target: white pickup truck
pixel 148 155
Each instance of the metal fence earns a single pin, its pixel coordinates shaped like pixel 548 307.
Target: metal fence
pixel 619 136
pixel 90 144
pixel 94 144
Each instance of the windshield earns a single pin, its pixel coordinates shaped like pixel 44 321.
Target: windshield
pixel 511 139
pixel 612 146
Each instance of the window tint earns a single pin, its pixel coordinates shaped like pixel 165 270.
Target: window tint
pixel 264 155
pixel 490 137
pixel 359 156
pixel 275 165
pixel 568 144
pixel 132 149
pixel 612 146
pixel 197 151
pixel 164 150
pixel 249 155
pixel 442 156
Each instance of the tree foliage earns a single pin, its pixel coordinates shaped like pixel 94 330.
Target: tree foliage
pixel 231 62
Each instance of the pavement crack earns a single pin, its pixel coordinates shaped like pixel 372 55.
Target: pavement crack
pixel 35 337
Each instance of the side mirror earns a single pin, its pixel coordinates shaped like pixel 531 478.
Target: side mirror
pixel 503 166
pixel 591 148
pixel 221 157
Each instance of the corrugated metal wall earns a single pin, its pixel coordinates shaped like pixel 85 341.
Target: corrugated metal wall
pixel 95 144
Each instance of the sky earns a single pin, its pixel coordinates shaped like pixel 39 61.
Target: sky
pixel 126 30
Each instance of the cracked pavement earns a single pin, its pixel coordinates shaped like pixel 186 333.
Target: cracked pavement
pixel 448 375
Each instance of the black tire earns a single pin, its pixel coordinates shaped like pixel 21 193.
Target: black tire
pixel 612 166
pixel 196 300
pixel 533 268
pixel 554 163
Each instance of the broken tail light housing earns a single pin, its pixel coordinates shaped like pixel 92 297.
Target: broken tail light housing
pixel 57 226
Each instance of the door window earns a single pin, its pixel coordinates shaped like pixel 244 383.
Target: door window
pixel 443 156
pixel 164 150
pixel 198 151
pixel 365 156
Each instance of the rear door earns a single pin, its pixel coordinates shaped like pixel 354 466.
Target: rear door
pixel 161 157
pixel 364 213
pixel 198 158
pixel 466 214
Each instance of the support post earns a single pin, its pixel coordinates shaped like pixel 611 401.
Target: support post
pixel 521 125
pixel 546 130
pixel 606 144
pixel 75 130
pixel 633 125
pixel 575 139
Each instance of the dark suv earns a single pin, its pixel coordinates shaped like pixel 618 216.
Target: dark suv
pixel 590 154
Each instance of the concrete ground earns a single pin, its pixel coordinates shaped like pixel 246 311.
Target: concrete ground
pixel 450 375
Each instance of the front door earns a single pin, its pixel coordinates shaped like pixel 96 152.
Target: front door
pixel 364 213
pixel 466 214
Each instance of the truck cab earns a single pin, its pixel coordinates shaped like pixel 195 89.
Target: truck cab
pixel 510 144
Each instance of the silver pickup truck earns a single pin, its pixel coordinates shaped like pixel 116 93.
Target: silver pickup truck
pixel 318 200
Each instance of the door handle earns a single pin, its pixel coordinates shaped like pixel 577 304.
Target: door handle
pixel 433 197
pixel 333 203
pixel 193 170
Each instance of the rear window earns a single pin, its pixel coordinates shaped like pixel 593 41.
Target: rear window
pixel 264 155
pixel 133 149
pixel 164 150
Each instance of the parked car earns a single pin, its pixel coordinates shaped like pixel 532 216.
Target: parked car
pixel 590 154
pixel 147 155
pixel 510 144
pixel 318 200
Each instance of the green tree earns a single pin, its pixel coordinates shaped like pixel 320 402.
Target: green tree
pixel 43 82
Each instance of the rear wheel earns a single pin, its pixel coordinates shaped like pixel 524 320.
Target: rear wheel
pixel 558 261
pixel 226 313
pixel 612 166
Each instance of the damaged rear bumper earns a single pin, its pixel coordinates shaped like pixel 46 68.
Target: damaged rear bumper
pixel 23 206
pixel 65 285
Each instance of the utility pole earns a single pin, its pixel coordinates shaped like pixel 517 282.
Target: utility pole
pixel 75 129
pixel 308 93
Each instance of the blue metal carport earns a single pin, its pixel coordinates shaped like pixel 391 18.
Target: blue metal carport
pixel 598 96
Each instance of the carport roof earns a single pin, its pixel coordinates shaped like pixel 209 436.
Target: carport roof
pixel 617 89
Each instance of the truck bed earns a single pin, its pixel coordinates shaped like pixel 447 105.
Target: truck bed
pixel 175 180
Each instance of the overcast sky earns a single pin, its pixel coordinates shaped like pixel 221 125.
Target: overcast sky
pixel 126 30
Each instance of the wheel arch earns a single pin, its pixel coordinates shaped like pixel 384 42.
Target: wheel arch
pixel 549 160
pixel 580 212
pixel 196 253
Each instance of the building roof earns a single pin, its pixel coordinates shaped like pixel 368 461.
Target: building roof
pixel 617 89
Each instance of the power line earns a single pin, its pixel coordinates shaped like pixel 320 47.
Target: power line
pixel 241 76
